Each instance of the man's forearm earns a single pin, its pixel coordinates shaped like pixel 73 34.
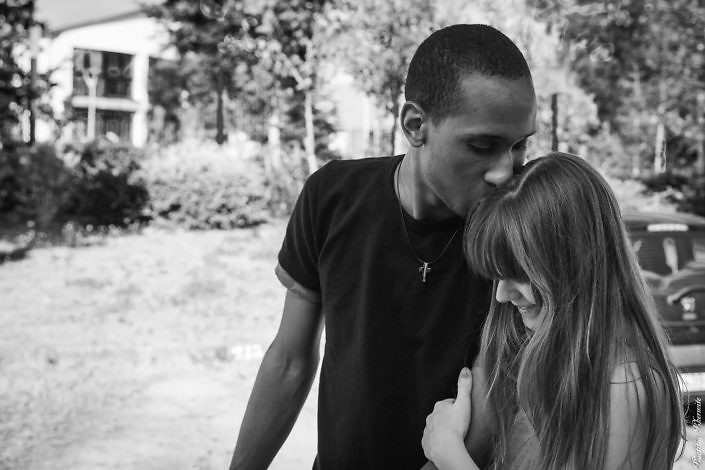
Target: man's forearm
pixel 279 392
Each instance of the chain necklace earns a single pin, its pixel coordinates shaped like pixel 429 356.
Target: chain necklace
pixel 425 268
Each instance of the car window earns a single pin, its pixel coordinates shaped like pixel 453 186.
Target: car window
pixel 666 253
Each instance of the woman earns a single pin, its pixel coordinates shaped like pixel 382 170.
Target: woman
pixel 573 371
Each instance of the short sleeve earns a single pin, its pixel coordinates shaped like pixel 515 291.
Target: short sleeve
pixel 298 256
pixel 296 288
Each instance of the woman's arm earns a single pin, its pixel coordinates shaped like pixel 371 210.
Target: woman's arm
pixel 483 426
pixel 443 437
pixel 477 434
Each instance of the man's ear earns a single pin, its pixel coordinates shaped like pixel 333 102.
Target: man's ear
pixel 413 123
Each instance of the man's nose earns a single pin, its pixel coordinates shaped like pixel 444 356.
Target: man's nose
pixel 502 170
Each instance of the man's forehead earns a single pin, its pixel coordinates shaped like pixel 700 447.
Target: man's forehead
pixel 483 91
pixel 495 107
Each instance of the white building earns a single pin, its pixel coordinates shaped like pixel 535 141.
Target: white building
pixel 100 69
pixel 113 55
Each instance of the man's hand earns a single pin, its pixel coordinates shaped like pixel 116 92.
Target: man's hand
pixel 447 426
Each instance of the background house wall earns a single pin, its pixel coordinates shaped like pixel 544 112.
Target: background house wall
pixel 132 34
pixel 359 122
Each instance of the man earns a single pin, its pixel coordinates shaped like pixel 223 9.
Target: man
pixel 373 252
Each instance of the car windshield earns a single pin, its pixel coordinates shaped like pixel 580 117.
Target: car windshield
pixel 667 253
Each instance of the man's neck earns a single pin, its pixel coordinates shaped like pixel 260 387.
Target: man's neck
pixel 417 199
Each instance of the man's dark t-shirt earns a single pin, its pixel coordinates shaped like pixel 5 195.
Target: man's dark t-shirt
pixel 394 345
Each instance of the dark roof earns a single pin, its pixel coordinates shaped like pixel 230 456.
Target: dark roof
pixel 634 219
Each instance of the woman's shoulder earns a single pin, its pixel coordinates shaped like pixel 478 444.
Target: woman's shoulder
pixel 628 390
pixel 627 383
pixel 629 417
pixel 628 370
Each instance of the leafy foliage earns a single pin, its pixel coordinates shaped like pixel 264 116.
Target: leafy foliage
pixel 166 84
pixel 107 190
pixel 375 41
pixel 206 31
pixel 34 182
pixel 642 61
pixel 15 21
pixel 682 187
pixel 248 64
pixel 205 187
pixel 16 88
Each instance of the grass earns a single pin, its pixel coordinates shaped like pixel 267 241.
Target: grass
pixel 140 350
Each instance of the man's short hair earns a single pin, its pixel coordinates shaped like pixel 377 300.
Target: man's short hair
pixel 451 54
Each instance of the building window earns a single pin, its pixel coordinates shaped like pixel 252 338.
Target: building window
pixel 112 70
pixel 117 123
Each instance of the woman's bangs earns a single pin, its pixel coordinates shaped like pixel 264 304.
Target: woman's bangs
pixel 488 249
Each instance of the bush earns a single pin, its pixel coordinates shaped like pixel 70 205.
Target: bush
pixel 196 185
pixel 34 183
pixel 108 189
pixel 201 185
pixel 633 195
pixel 683 187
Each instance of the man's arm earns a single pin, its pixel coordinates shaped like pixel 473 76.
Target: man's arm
pixel 282 385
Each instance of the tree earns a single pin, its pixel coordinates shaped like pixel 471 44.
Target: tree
pixel 643 62
pixel 218 34
pixel 376 40
pixel 290 55
pixel 16 18
pixel 259 55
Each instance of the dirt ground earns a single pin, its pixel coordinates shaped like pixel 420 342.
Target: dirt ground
pixel 139 352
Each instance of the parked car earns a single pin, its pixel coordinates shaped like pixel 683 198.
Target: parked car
pixel 671 252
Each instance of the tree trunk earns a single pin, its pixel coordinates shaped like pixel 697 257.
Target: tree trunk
pixel 700 164
pixel 636 79
pixel 309 140
pixel 660 144
pixel 367 136
pixel 554 122
pixel 219 121
pixel 274 143
pixel 393 135
pixel 395 92
pixel 660 148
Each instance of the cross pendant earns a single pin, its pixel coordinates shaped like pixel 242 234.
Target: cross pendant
pixel 424 270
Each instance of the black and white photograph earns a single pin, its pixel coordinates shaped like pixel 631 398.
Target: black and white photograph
pixel 352 234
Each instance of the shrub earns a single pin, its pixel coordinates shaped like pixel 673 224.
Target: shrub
pixel 682 187
pixel 201 185
pixel 34 182
pixel 633 195
pixel 108 189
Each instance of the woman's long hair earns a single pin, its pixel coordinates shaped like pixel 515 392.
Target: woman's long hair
pixel 557 226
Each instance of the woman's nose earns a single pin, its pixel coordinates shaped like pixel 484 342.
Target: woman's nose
pixel 503 291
